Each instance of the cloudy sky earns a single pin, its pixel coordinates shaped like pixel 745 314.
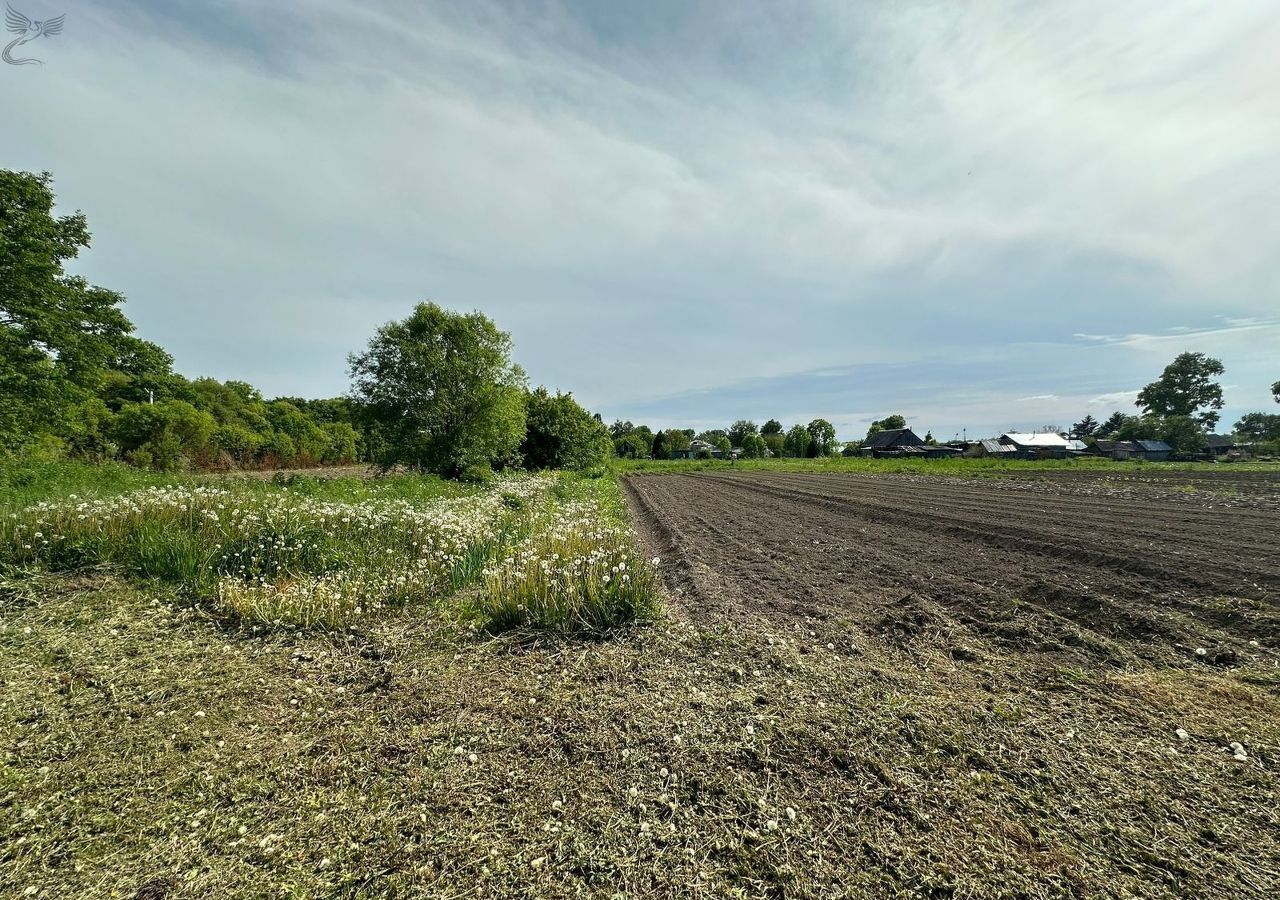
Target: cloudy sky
pixel 982 215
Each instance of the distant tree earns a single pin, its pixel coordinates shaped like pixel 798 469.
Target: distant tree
pixel 660 448
pixel 774 442
pixel 929 439
pixel 442 390
pixel 1114 421
pixel 773 426
pixel 1258 426
pixel 1186 388
pixel 753 447
pixel 798 442
pixel 711 435
pixel 619 428
pixel 169 435
pixel 823 438
pixel 632 445
pixel 1086 427
pixel 1275 391
pixel 888 423
pixel 679 439
pixel 739 430
pixel 560 434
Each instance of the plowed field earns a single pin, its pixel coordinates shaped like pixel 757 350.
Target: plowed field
pixel 1059 687
pixel 1027 566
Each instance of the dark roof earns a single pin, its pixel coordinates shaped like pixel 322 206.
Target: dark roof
pixel 892 437
pixel 1219 440
pixel 1109 446
pixel 1154 446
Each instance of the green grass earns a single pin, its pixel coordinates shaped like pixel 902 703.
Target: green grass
pixel 962 468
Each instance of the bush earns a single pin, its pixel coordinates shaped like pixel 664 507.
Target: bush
pixel 563 435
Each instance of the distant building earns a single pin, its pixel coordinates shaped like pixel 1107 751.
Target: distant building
pixel 1217 445
pixel 1040 445
pixel 697 449
pixel 1152 451
pixel 904 442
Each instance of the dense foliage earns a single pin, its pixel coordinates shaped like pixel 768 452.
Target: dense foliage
pixel 560 434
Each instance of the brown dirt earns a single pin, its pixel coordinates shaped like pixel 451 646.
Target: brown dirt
pixel 1103 578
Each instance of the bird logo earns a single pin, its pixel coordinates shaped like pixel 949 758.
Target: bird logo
pixel 27 31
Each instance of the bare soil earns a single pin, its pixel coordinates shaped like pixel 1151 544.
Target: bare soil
pixel 1075 623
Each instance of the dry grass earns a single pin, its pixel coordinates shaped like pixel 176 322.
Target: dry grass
pixel 146 747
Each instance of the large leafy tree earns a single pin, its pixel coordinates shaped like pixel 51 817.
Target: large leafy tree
pixel 562 435
pixel 1258 426
pixel 56 330
pixel 1186 388
pixel 739 431
pixel 773 426
pixel 442 392
pixel 798 441
pixel 1183 433
pixel 823 434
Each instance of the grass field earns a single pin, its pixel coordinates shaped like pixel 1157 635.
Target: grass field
pixel 857 686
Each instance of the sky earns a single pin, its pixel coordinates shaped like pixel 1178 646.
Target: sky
pixel 983 216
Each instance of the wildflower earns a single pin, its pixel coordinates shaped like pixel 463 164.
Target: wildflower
pixel 1200 651
pixel 1182 734
pixel 791 814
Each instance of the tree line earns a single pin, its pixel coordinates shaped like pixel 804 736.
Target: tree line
pixel 1181 409
pixel 436 391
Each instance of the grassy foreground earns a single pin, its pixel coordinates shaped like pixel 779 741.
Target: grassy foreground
pixel 154 746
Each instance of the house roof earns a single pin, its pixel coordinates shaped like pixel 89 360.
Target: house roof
pixel 1154 446
pixel 1040 439
pixel 991 445
pixel 1219 440
pixel 891 437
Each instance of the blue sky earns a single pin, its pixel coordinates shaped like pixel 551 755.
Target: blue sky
pixel 983 216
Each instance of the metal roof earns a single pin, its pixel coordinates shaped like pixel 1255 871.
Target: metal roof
pixel 1154 446
pixel 991 445
pixel 1041 439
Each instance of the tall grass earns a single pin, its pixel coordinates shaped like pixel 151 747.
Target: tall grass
pixel 272 555
pixel 577 569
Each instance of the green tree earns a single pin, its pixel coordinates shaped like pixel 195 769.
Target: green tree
pixel 442 391
pixel 1114 421
pixel 1086 427
pixel 722 444
pixel 1258 426
pixel 1275 391
pixel 632 445
pixel 754 447
pixel 169 435
pixel 775 442
pixel 678 439
pixel 798 441
pixel 563 435
pixel 660 449
pixel 1186 388
pixel 823 435
pixel 739 431
pixel 773 426
pixel 56 331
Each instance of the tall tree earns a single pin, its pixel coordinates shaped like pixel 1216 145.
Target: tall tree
pixel 1086 427
pixel 56 330
pixel 661 447
pixel 823 435
pixel 798 441
pixel 1114 421
pixel 560 434
pixel 1186 388
pixel 773 426
pixel 739 430
pixel 441 389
